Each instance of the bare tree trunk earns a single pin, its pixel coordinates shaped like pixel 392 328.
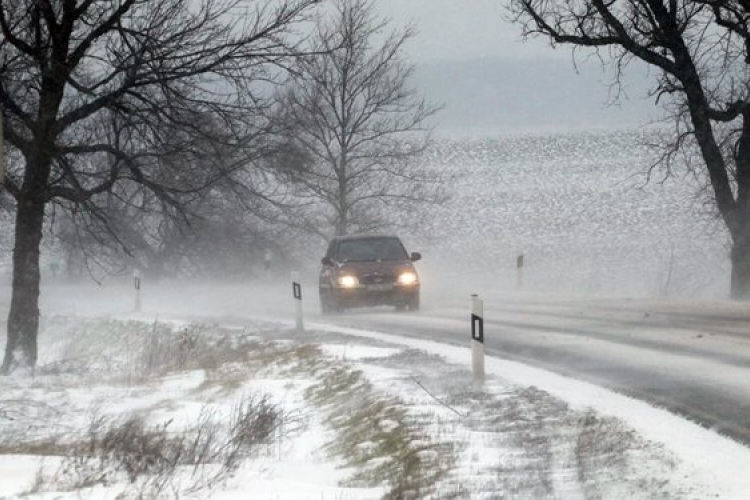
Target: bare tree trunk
pixel 342 225
pixel 741 265
pixel 739 222
pixel 23 319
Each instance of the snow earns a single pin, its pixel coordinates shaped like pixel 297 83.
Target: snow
pixel 296 467
pixel 349 352
pixel 574 204
pixel 292 467
pixel 17 474
pixel 705 457
pixel 300 473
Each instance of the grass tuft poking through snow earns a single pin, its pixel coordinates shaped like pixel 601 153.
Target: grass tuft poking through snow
pixel 153 459
pixel 378 437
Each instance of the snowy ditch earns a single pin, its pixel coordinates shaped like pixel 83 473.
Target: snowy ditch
pixel 127 409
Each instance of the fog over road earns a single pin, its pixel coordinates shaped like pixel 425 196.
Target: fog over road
pixel 690 357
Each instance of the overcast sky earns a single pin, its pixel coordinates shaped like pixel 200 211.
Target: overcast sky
pixel 459 29
pixel 473 60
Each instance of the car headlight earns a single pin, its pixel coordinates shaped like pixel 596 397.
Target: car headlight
pixel 348 281
pixel 407 278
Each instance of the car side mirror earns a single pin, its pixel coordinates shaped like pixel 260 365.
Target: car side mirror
pixel 415 256
pixel 327 261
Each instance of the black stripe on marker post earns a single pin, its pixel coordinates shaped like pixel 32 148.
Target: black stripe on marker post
pixel 477 339
pixel 477 328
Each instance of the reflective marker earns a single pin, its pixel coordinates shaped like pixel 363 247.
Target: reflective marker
pixel 477 339
pixel 297 294
pixel 137 286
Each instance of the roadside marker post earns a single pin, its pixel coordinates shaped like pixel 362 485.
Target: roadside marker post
pixel 297 294
pixel 137 286
pixel 477 339
pixel 519 272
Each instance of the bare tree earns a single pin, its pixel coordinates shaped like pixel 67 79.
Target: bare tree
pixel 94 91
pixel 210 230
pixel 221 234
pixel 356 125
pixel 701 50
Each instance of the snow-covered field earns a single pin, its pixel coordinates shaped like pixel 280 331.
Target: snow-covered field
pixel 356 414
pixel 580 209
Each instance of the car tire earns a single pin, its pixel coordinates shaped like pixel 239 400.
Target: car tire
pixel 326 306
pixel 414 302
pixel 329 304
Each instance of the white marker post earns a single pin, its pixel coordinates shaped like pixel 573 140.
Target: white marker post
pixel 519 272
pixel 297 293
pixel 477 339
pixel 137 286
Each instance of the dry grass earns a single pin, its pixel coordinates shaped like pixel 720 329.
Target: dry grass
pixel 159 460
pixel 378 437
pixel 150 459
pixel 532 444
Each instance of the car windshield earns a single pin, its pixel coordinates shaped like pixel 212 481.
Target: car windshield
pixel 367 249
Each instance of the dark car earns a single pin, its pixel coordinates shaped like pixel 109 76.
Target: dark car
pixel 368 271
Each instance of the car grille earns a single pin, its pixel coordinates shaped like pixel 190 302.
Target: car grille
pixel 376 279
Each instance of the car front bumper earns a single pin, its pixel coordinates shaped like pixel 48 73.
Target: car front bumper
pixel 372 295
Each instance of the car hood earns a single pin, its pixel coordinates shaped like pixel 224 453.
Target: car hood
pixel 368 267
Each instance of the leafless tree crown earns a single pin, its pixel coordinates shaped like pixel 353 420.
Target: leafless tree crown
pixel 357 120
